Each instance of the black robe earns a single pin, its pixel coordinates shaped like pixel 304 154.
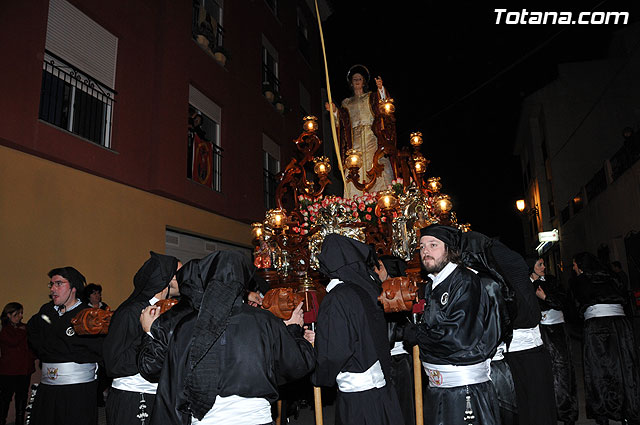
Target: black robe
pixel 402 366
pixel 610 359
pixel 351 333
pixel 460 326
pixel 556 341
pixel 125 336
pixel 344 344
pixel 530 369
pixel 254 353
pixel 52 338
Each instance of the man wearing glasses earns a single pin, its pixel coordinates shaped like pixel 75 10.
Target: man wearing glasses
pixel 67 390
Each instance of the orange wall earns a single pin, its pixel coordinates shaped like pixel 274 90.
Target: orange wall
pixel 52 216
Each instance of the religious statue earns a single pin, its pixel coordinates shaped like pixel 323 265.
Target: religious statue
pixel 364 126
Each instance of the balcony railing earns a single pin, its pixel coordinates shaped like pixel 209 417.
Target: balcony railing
pixel 208 29
pixel 72 100
pixel 268 76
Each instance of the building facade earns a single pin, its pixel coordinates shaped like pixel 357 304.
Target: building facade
pixel 579 145
pixel 129 123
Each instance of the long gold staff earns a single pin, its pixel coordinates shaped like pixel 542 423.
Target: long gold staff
pixel 331 117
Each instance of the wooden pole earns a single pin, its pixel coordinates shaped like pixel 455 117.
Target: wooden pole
pixel 417 383
pixel 317 402
pixel 279 418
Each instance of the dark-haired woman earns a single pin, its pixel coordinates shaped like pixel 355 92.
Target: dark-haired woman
pixel 93 296
pixel 16 362
pixel 611 372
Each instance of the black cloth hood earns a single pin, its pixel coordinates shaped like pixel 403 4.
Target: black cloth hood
pixel 350 261
pixel 154 275
pixel 447 234
pixel 196 276
pixel 395 266
pixel 212 285
pixel 509 269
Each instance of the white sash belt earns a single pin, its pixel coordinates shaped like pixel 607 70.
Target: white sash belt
pixel 352 382
pixel 603 310
pixel 448 376
pixel 525 339
pixel 499 352
pixel 134 383
pixel 68 373
pixel 552 317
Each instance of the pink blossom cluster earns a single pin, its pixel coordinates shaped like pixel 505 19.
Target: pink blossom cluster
pixel 361 208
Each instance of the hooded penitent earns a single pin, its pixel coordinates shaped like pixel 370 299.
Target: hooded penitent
pixel 154 275
pixel 352 262
pixel 211 285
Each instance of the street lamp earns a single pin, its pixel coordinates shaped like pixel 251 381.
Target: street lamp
pixel 522 207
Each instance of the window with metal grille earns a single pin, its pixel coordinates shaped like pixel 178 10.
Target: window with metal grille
pixel 206 22
pixel 270 67
pixel 75 102
pixel 204 154
pixel 78 74
pixel 271 168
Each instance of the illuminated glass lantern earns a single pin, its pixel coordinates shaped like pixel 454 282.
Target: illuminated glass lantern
pixel 322 167
pixel 310 123
pixel 276 218
pixel 443 203
pixel 354 159
pixel 257 230
pixel 415 139
pixel 434 185
pixel 387 200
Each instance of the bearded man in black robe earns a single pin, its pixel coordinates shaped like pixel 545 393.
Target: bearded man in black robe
pixel 219 360
pixel 131 397
pixel 351 336
pixel 457 336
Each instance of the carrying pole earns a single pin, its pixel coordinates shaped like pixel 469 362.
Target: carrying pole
pixel 417 383
pixel 317 395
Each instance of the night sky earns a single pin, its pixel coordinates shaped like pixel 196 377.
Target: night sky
pixel 460 79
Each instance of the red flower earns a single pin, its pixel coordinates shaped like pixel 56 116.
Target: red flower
pixel 368 217
pixel 369 209
pixel 361 206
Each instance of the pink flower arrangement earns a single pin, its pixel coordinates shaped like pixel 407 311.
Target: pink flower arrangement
pixel 360 208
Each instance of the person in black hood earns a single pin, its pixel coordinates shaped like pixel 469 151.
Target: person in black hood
pixel 475 254
pixel 610 359
pixel 217 359
pixel 351 336
pixel 401 361
pixel 528 360
pixel 131 396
